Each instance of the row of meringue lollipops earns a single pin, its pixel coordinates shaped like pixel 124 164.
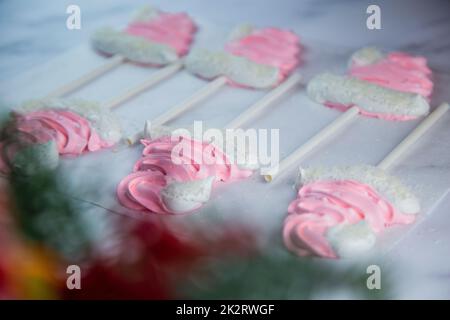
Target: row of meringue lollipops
pixel 71 127
pixel 340 211
pixel 399 82
pixel 253 58
pixel 178 170
pixel 194 185
pixel 392 87
pixel 366 65
pixel 209 70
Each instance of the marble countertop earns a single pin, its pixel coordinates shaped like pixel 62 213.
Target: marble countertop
pixel 35 45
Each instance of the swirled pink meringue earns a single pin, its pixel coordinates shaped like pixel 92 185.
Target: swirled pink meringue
pixel 196 160
pixel 324 204
pixel 398 71
pixel 71 132
pixel 270 46
pixel 173 29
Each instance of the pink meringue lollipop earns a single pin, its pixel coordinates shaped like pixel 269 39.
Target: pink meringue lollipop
pixel 254 58
pixel 391 87
pixel 154 39
pixel 160 186
pixel 178 171
pixel 77 126
pixel 58 127
pixel 340 211
pixel 386 87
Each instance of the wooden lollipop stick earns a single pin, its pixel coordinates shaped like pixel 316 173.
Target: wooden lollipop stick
pixel 313 142
pixel 112 63
pixel 412 138
pixel 154 79
pixel 196 98
pixel 258 107
pixel 185 105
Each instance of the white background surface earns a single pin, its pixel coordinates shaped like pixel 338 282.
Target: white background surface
pixel 34 36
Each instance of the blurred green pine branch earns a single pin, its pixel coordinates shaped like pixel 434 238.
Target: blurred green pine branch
pixel 46 216
pixel 277 274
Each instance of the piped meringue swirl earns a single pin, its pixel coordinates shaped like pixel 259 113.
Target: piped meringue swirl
pixel 338 218
pixel 50 128
pixel 398 71
pixel 73 133
pixel 175 175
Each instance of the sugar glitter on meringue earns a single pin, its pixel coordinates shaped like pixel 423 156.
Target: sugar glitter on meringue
pixel 156 170
pixel 398 71
pixel 384 116
pixel 173 29
pixel 323 205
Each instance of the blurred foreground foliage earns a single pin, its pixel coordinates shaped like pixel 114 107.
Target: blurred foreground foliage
pixel 46 216
pixel 154 258
pixel 277 274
